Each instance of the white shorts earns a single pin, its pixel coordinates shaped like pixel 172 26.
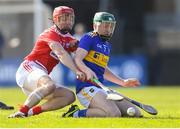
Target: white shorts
pixel 28 74
pixel 87 93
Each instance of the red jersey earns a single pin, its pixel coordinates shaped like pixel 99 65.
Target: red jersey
pixel 43 54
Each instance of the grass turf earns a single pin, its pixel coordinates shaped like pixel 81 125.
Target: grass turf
pixel 165 99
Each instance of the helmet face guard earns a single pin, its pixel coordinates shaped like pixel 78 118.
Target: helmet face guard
pixel 105 23
pixel 63 18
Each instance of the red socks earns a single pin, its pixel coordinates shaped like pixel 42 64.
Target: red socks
pixel 24 109
pixel 29 112
pixel 36 110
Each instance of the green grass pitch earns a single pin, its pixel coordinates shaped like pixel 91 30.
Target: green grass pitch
pixel 165 99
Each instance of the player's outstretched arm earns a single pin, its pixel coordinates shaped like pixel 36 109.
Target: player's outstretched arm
pixel 110 76
pixel 65 58
pixel 79 56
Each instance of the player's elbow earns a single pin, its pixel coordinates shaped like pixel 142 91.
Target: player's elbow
pixel 57 49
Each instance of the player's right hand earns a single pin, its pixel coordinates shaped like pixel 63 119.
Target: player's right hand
pixel 131 82
pixel 80 75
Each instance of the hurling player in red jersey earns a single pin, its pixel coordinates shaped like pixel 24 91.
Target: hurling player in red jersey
pixel 52 46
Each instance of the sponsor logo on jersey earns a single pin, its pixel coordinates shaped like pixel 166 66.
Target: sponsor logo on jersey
pixel 103 47
pixel 97 58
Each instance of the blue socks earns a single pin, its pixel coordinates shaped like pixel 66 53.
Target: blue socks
pixel 80 113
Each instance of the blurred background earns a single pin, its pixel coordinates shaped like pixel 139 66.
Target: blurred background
pixel 145 45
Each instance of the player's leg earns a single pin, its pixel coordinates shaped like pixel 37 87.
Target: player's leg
pixel 124 105
pixel 60 98
pixel 94 99
pixel 36 82
pixel 101 107
pixel 45 87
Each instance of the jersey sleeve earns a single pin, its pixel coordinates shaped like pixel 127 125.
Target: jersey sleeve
pixel 85 42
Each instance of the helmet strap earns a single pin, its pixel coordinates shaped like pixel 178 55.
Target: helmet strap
pixel 62 31
pixel 105 38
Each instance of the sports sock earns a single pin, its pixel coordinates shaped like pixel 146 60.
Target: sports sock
pixel 35 110
pixel 80 113
pixel 24 109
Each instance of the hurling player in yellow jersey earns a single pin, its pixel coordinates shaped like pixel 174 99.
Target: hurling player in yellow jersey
pixel 92 58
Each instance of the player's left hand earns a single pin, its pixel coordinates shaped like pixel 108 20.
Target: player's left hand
pixel 131 82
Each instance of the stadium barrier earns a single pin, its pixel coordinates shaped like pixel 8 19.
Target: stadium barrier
pixel 124 66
